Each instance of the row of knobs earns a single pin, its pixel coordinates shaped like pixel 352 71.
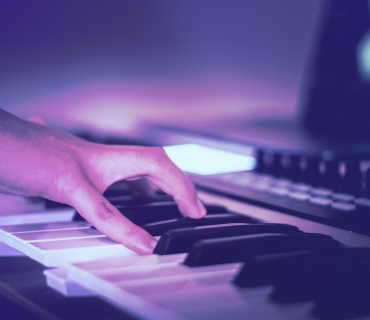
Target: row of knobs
pixel 316 171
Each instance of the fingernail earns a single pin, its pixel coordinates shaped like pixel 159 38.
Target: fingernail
pixel 201 208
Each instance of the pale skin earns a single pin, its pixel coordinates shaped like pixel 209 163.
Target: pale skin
pixel 36 160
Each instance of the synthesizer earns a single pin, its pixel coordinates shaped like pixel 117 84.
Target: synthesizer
pixel 242 261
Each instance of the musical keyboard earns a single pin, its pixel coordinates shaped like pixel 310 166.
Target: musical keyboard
pixel 164 286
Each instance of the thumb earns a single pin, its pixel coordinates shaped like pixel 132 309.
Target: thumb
pixel 108 220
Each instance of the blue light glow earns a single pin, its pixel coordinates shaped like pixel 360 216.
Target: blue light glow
pixel 363 57
pixel 203 160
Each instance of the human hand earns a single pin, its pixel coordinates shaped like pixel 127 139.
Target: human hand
pixel 40 161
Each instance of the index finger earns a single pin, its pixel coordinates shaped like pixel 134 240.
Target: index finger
pixel 123 162
pixel 169 178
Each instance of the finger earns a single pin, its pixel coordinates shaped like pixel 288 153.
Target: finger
pixel 177 184
pixel 116 163
pixel 169 178
pixel 107 219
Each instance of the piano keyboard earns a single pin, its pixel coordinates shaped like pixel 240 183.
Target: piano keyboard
pixel 201 268
pixel 22 210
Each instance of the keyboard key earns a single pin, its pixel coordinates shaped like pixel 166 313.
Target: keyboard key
pixel 347 297
pixel 42 216
pixel 150 213
pixel 61 252
pixel 262 186
pixel 242 248
pixel 159 211
pixel 22 208
pixel 363 202
pixel 158 228
pixel 320 201
pixel 315 274
pixel 7 200
pixel 278 191
pixel 6 231
pixel 301 187
pixel 131 200
pixel 343 197
pixel 282 183
pixel 343 206
pixel 271 269
pixel 156 291
pixel 300 196
pixel 57 279
pixel 321 192
pixel 182 240
pixel 21 240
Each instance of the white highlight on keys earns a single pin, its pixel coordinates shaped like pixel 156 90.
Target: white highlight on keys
pixel 203 160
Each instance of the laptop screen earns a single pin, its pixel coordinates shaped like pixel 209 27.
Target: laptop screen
pixel 336 95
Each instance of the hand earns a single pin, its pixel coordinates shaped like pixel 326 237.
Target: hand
pixel 39 161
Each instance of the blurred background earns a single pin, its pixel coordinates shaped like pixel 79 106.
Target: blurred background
pixel 120 66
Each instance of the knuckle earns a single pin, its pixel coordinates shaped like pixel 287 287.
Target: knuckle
pixel 154 156
pixel 104 211
pixel 132 230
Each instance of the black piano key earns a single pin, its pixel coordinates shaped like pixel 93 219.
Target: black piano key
pixel 151 212
pixel 159 211
pixel 297 277
pixel 49 204
pixel 347 299
pixel 315 275
pixel 270 269
pixel 242 248
pixel 158 228
pixel 181 240
pixel 118 189
pixel 277 268
pixel 131 200
pixel 348 295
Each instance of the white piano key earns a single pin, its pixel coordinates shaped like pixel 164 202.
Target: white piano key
pixel 160 284
pixel 7 251
pixel 42 216
pixel 14 201
pixel 4 209
pixel 6 231
pixel 157 271
pixel 191 293
pixel 58 253
pixel 21 240
pixel 231 304
pixel 121 298
pixel 58 280
pixel 125 261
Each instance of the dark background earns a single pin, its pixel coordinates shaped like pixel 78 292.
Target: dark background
pixel 255 49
